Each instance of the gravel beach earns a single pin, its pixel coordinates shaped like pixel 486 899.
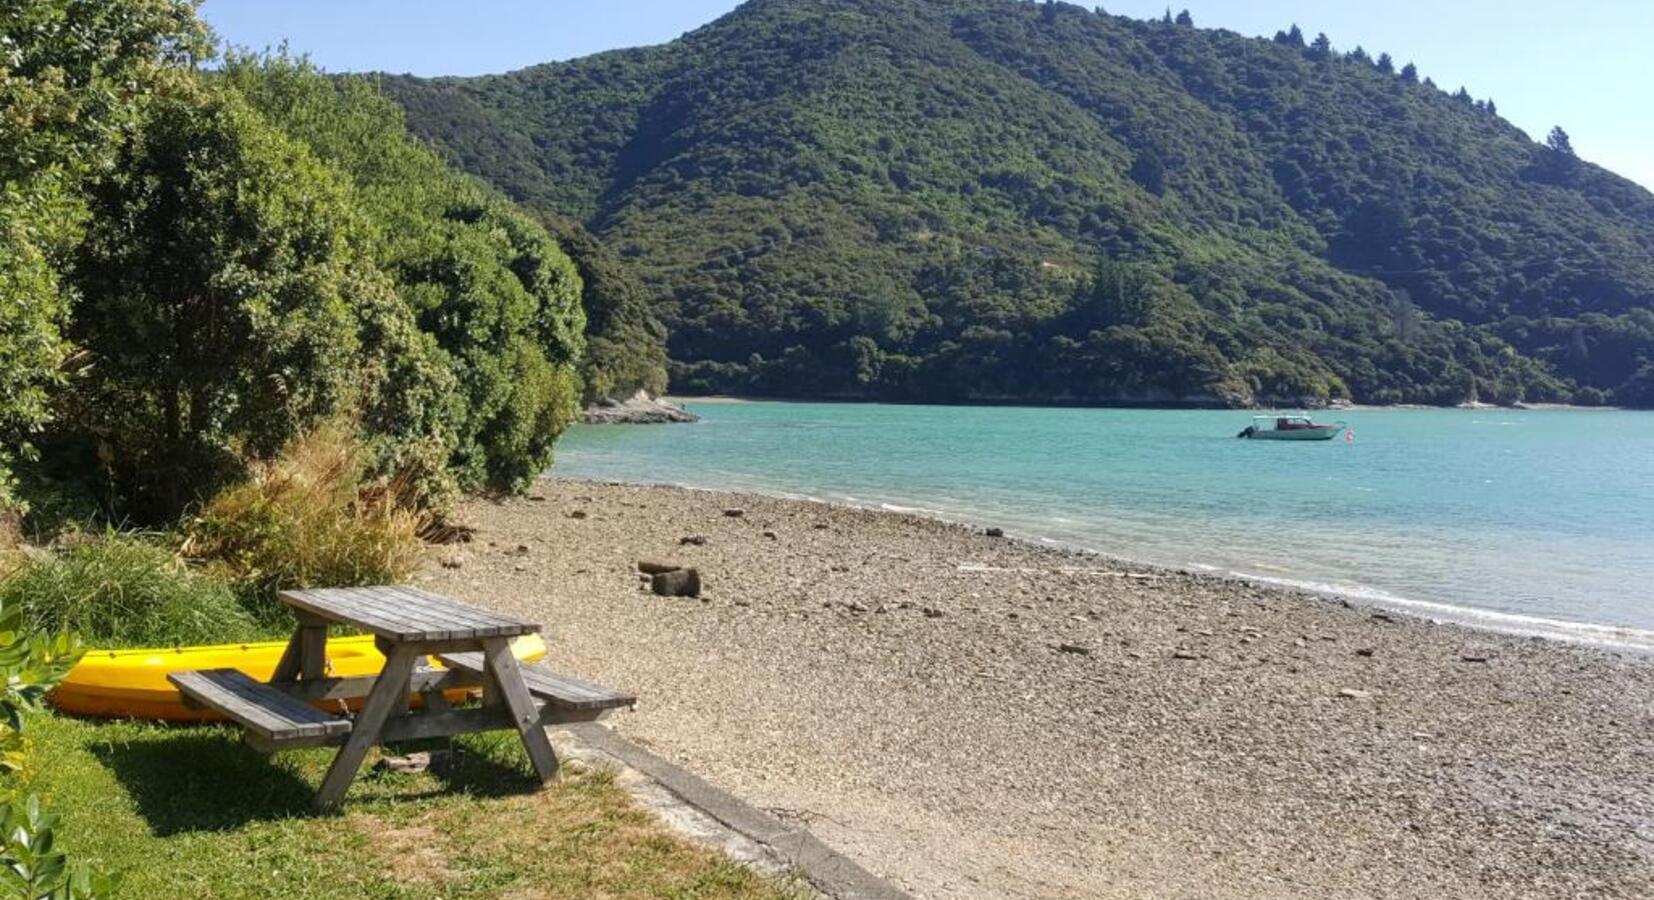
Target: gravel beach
pixel 977 716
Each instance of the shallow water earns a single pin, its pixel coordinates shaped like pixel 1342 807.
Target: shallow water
pixel 1527 520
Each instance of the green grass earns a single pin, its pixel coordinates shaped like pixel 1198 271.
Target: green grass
pixel 190 812
pixel 126 590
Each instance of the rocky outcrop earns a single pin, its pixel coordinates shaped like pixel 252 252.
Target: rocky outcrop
pixel 639 409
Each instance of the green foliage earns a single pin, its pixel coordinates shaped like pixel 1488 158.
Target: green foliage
pixel 73 73
pixel 310 518
pixel 217 301
pixel 496 300
pixel 271 249
pixel 625 340
pixel 800 179
pixel 32 863
pixel 125 591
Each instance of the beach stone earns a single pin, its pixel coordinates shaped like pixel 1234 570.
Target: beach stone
pixel 578 514
pixel 772 535
pixel 932 612
pixel 734 512
pixel 1076 649
pixel 677 583
pixel 413 763
pixel 995 532
pixel 456 561
pixel 696 540
pixel 1184 654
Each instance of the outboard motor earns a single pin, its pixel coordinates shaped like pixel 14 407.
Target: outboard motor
pixel 1247 431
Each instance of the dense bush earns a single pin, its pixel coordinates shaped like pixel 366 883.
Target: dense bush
pixel 497 297
pixel 72 74
pixel 891 198
pixel 268 249
pixel 126 591
pixel 310 518
pixel 217 302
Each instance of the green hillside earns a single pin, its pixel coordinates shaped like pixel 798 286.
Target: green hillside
pixel 964 200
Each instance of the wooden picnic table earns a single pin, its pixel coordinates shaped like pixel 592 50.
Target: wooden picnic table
pixel 473 644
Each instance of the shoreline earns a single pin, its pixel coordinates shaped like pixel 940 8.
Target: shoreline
pixel 1596 635
pixel 974 716
pixel 681 399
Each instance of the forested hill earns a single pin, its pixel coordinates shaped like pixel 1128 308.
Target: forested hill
pixel 993 200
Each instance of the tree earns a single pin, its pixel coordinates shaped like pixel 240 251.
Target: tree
pixel 497 302
pixel 1149 171
pixel 1386 64
pixel 1410 73
pixel 217 315
pixel 1359 55
pixel 1186 20
pixel 1168 17
pixel 73 74
pixel 1321 49
pixel 1290 38
pixel 1559 143
pixel 1558 162
pixel 1492 108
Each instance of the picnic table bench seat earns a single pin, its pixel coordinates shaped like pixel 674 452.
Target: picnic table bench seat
pixel 277 717
pixel 561 691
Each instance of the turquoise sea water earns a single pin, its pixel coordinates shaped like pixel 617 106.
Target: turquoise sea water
pixel 1538 521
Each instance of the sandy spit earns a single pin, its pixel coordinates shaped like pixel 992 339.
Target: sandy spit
pixel 974 716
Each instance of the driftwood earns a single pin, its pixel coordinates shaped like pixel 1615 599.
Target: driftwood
pixel 655 568
pixel 677 583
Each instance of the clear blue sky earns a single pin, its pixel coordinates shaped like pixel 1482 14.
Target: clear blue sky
pixel 1587 65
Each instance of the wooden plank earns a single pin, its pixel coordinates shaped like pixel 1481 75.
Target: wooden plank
pixel 564 691
pixel 503 670
pixel 257 707
pixel 358 686
pixel 482 618
pixel 406 614
pixel 413 727
pixel 389 696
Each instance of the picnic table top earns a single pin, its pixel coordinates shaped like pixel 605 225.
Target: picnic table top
pixel 406 614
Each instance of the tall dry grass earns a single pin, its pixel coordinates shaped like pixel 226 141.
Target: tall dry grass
pixel 310 518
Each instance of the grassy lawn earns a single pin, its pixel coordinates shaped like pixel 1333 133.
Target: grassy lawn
pixel 190 812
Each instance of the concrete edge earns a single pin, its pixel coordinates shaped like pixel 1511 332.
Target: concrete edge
pixel 825 869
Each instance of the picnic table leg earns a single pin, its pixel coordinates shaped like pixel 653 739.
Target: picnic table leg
pixel 390 693
pixel 306 653
pixel 501 669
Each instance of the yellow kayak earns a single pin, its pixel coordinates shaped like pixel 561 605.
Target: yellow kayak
pixel 132 684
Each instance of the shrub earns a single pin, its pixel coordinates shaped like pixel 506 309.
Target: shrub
pixel 310 518
pixel 217 305
pixel 126 591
